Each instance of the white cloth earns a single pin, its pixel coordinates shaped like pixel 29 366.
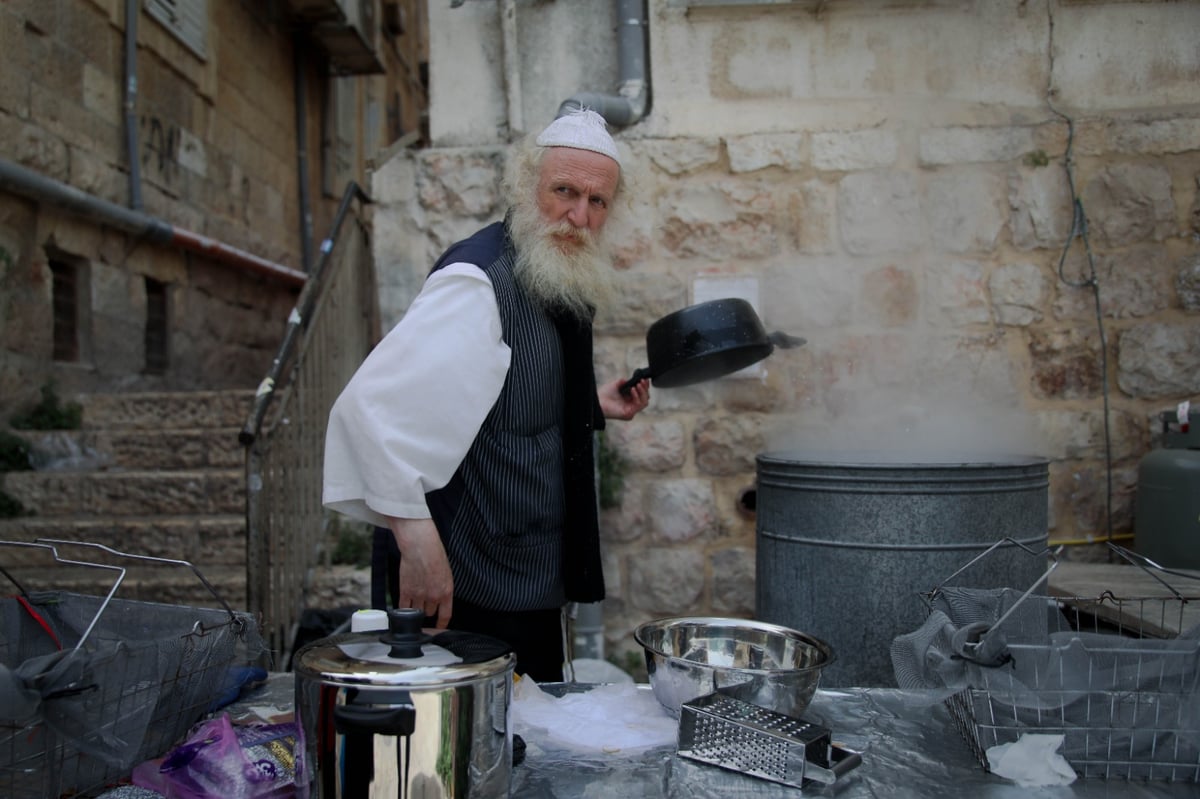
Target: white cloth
pixel 1031 761
pixel 406 419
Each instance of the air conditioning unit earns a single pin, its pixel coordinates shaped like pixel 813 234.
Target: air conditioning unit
pixel 347 30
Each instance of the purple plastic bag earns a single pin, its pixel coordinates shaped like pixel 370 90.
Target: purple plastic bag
pixel 219 761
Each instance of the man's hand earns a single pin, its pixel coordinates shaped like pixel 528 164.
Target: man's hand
pixel 623 406
pixel 425 579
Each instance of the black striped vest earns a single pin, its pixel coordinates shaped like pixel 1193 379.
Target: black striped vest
pixel 503 514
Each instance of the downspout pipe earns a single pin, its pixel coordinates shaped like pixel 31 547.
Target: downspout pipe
pixel 132 9
pixel 621 110
pixel 18 180
pixel 300 88
pixel 631 101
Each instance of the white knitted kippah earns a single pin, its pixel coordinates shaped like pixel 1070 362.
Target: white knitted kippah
pixel 582 129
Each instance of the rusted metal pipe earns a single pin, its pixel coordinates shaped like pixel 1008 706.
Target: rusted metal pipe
pixel 33 185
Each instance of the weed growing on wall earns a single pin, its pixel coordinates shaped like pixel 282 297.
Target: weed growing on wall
pixel 50 414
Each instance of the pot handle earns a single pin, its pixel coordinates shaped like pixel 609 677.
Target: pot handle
pixel 638 376
pixel 367 720
pixel 841 761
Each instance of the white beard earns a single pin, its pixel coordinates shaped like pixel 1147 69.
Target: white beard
pixel 580 280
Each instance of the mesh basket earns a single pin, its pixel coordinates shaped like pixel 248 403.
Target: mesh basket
pixel 90 686
pixel 1118 678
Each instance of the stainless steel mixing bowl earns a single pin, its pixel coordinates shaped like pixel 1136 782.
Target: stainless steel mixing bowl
pixel 763 664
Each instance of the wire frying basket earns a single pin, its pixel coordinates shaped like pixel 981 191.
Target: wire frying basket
pixel 92 685
pixel 1117 677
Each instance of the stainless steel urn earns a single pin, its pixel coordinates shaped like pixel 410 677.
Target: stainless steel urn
pixel 406 712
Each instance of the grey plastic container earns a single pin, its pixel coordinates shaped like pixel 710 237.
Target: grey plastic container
pixel 847 543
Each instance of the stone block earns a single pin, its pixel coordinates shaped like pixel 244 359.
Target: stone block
pixel 1154 137
pixel 683 509
pixel 1018 292
pixel 844 151
pixel 628 521
pixel 395 180
pixel 879 212
pixel 963 210
pixel 36 148
pixel 889 296
pixel 721 220
pixel 1133 282
pixel 728 445
pixel 947 146
pixel 1159 360
pixel 811 214
pixel 1129 202
pixel 734 572
pixel 1078 434
pixel 465 183
pixel 666 580
pixel 956 293
pixel 811 291
pixel 650 446
pixel 1187 284
pixel 1066 363
pixel 1041 209
pixel 645 297
pixel 681 156
pixel 763 151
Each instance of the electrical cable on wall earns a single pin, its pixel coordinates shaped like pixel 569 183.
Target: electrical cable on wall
pixel 1079 228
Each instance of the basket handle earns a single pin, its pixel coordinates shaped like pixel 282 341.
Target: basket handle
pixel 152 559
pixel 1145 564
pixel 1045 551
pixel 45 544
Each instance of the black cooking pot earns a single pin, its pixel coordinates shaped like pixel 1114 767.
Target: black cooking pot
pixel 704 342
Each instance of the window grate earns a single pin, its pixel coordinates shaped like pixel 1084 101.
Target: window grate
pixel 156 338
pixel 65 290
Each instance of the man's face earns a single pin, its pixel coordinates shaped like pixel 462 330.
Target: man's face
pixel 575 187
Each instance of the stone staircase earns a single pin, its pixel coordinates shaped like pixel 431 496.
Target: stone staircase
pixel 159 474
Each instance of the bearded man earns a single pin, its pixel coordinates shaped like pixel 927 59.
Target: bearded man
pixel 466 435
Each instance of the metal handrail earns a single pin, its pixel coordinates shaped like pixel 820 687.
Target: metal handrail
pixel 334 325
pixel 297 320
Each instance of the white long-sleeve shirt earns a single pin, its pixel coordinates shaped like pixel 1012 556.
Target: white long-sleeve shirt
pixel 406 419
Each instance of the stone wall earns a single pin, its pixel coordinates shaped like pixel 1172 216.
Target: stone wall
pixel 895 183
pixel 216 138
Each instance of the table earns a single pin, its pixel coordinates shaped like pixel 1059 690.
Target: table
pixel 909 749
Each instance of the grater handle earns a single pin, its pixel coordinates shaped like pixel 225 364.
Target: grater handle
pixel 841 762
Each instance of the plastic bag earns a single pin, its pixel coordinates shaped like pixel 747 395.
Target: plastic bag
pixel 219 761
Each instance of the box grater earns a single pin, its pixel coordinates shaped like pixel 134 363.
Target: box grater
pixel 746 738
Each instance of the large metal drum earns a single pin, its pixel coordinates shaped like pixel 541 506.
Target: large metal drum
pixel 847 543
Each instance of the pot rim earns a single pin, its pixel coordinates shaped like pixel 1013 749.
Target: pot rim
pixel 823 647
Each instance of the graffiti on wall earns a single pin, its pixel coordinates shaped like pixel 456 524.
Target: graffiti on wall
pixel 166 148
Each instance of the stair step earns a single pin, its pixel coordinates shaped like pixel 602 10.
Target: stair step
pixel 128 492
pixel 155 473
pixel 168 410
pixel 205 541
pixel 168 585
pixel 124 448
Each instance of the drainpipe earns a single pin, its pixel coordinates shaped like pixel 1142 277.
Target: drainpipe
pixel 18 180
pixel 624 108
pixel 132 9
pixel 630 102
pixel 300 89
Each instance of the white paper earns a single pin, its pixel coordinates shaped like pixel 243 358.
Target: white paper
pixel 1032 761
pixel 611 720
